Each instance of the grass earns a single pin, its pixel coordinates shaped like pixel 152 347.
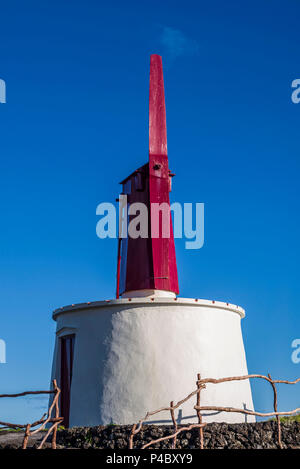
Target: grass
pixel 11 430
pixel 289 418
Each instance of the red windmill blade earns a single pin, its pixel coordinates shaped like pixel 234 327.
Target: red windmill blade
pixel 157 109
pixel 150 263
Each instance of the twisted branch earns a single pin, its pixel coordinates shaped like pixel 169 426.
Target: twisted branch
pixel 201 384
pixel 183 429
pixel 46 418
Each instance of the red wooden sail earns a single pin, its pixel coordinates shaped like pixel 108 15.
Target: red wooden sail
pixel 150 263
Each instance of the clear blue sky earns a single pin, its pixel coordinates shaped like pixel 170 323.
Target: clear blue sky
pixel 75 123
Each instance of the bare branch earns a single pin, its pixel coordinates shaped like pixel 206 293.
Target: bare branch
pixel 183 429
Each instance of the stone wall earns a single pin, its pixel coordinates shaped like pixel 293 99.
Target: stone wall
pixel 261 435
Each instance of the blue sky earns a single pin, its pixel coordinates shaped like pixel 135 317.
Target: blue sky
pixel 75 123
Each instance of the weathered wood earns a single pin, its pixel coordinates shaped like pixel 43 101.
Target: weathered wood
pixel 26 436
pixel 275 409
pixel 183 429
pixel 174 424
pixel 199 387
pixel 201 384
pixel 46 418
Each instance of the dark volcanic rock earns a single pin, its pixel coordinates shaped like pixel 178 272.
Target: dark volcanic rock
pixel 261 435
pixel 216 436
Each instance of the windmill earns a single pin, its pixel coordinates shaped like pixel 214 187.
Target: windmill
pixel 116 359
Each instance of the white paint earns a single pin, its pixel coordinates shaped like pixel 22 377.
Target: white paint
pixel 148 293
pixel 135 355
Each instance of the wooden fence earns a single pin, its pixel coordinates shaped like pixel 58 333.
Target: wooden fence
pixel 201 384
pixel 136 428
pixel 41 424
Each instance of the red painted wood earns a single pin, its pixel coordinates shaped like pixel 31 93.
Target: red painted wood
pixel 66 369
pixel 139 265
pixel 157 109
pixel 163 249
pixel 151 263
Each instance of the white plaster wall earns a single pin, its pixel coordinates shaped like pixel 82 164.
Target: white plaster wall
pixel 136 355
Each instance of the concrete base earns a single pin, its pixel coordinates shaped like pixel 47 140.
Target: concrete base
pixel 135 355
